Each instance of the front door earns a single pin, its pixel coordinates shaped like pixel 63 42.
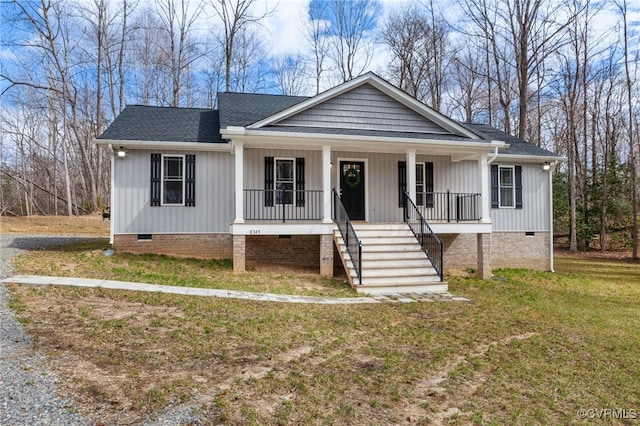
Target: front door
pixel 352 188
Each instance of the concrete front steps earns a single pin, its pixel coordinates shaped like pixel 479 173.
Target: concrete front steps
pixel 392 261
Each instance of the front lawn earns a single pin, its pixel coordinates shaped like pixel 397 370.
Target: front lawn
pixel 533 348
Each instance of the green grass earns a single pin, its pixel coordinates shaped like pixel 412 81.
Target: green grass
pixel 86 260
pixel 532 348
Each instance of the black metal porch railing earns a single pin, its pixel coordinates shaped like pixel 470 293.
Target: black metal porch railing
pixel 449 206
pixel 351 240
pixel 429 241
pixel 283 205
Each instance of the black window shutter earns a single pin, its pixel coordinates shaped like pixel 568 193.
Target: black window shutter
pixel 495 201
pixel 190 180
pixel 268 181
pixel 300 182
pixel 518 187
pixel 156 160
pixel 402 182
pixel 428 176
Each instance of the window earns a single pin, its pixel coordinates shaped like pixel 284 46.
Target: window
pixel 173 181
pixel 284 180
pixel 424 183
pixel 420 184
pixel 506 185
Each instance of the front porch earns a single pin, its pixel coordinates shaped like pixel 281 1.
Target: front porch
pixel 286 192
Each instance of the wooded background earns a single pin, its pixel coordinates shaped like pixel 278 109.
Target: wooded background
pixel 562 74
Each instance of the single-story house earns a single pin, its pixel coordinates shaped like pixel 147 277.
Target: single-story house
pixel 362 176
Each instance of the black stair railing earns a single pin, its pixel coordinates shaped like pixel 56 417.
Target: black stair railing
pixel 429 241
pixel 351 240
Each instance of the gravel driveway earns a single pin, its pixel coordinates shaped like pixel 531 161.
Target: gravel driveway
pixel 28 390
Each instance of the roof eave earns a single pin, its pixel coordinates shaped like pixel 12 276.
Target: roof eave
pixel 282 138
pixel 183 146
pixel 528 158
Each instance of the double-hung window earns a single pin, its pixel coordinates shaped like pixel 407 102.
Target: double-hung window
pixel 506 185
pixel 173 180
pixel 285 179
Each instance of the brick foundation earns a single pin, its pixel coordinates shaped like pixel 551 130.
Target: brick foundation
pixel 508 250
pixel 299 251
pixel 200 246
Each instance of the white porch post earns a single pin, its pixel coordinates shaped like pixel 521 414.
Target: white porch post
pixel 411 174
pixel 485 190
pixel 326 184
pixel 239 181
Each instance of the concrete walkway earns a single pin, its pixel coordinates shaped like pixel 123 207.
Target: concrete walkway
pixel 231 294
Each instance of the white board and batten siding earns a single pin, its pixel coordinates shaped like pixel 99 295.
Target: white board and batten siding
pixel 382 186
pixel 534 215
pixel 254 166
pixel 212 213
pixel 364 107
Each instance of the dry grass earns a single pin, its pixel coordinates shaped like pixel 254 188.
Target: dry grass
pixel 55 225
pixel 533 349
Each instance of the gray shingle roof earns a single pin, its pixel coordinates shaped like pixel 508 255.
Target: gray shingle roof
pixel 242 109
pixel 517 146
pixel 138 122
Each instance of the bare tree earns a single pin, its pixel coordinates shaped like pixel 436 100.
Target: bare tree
pixel 236 17
pixel 351 29
pixel 290 72
pixel 314 34
pixel 417 41
pixel 178 18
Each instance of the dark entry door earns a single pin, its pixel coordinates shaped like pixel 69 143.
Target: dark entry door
pixel 352 188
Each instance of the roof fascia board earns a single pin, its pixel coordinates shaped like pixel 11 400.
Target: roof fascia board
pixel 287 139
pixel 185 146
pixel 523 158
pixel 379 84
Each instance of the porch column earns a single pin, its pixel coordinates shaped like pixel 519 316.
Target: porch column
pixel 239 181
pixel 326 255
pixel 411 174
pixel 326 184
pixel 485 190
pixel 239 249
pixel 484 256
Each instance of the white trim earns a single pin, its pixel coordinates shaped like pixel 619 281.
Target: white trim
pixel 326 184
pixel 366 180
pixel 238 151
pixel 112 197
pixel 162 180
pixel 166 145
pixel 551 266
pixel 275 181
pixel 529 158
pixel 315 228
pixel 513 186
pixel 411 174
pixel 385 144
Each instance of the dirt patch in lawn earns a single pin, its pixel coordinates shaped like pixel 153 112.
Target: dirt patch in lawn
pixel 91 225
